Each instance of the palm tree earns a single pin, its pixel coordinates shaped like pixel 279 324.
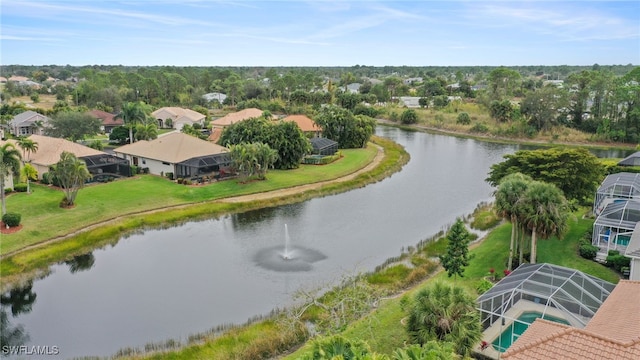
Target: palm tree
pixel 434 350
pixel 29 173
pixel 132 113
pixel 266 157
pixel 28 146
pixel 511 189
pixel 443 312
pixel 147 131
pixel 338 347
pixel 72 174
pixel 544 211
pixel 9 164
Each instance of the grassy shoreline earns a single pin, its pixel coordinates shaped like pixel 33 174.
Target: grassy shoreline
pixel 502 139
pixel 32 262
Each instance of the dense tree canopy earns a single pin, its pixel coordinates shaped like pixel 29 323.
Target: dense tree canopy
pixel 601 100
pixel 575 171
pixel 544 108
pixel 284 137
pixel 342 126
pixel 73 125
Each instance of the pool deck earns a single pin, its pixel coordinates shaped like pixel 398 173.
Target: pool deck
pixel 516 310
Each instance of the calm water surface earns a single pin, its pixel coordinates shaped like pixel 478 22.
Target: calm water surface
pixel 174 282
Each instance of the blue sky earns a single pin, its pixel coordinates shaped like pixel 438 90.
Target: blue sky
pixel 319 33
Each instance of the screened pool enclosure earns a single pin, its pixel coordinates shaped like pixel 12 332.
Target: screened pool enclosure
pixel 614 226
pixel 323 146
pixel 617 188
pixel 105 166
pixel 553 291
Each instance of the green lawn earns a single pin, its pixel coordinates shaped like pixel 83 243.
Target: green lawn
pixel 43 219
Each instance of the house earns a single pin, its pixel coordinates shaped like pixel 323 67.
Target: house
pixel 633 252
pixel 214 96
pixel 17 79
pixel 353 88
pixel 236 117
pixel 107 119
pixel 308 126
pixel 555 293
pixel 50 149
pixel 613 228
pixel 176 117
pixel 412 81
pixel 631 160
pixel 28 123
pixel 410 101
pixel 218 125
pixel 176 153
pixel 3 79
pixel 616 188
pixel 613 332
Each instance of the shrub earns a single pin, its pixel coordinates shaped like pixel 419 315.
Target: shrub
pixel 21 187
pixel 409 116
pixel 180 180
pixel 479 128
pixel 618 262
pixel 588 251
pixel 8 190
pixel 169 175
pixel 463 118
pixel 361 109
pixel 46 178
pixel 186 182
pixel 483 286
pixel 12 219
pixel 134 170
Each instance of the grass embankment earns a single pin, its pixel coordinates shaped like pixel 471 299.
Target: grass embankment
pixel 382 329
pixel 151 201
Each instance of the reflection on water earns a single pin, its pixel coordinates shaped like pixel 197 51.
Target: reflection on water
pixel 81 262
pixel 170 283
pixel 16 301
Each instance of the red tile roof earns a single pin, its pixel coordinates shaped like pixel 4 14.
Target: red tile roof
pixel 613 333
pixel 107 118
pixel 235 117
pixel 306 124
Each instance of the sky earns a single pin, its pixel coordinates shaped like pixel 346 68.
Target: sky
pixel 319 33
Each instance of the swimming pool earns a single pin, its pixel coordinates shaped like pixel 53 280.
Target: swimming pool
pixel 513 331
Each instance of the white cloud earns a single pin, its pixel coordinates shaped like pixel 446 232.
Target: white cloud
pixel 568 21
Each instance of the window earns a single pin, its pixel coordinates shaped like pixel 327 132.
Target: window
pixel 144 162
pixel 165 163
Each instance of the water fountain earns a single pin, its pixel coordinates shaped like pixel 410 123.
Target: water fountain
pixel 286 254
pixel 288 259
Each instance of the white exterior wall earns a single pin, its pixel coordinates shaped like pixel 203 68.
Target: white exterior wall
pixel 155 167
pixel 41 169
pixel 8 182
pixel 634 273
